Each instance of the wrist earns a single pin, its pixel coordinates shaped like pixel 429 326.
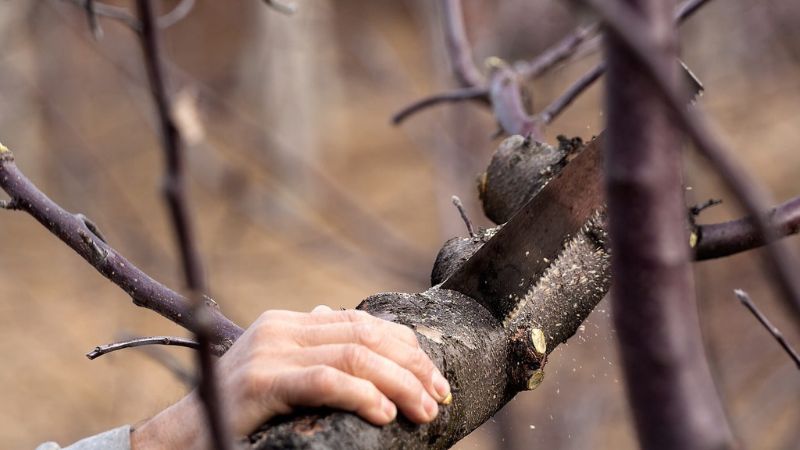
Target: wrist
pixel 177 427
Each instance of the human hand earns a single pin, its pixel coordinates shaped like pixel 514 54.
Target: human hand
pixel 342 359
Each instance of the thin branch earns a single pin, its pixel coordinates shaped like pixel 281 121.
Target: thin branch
pixel 557 106
pixel 100 9
pixel 575 40
pixel 557 53
pixel 178 13
pixel 73 231
pixel 459 95
pixel 626 25
pixel 175 195
pixel 505 83
pixel 101 350
pixel 773 330
pixel 695 210
pixel 728 238
pixel 95 9
pixel 588 79
pixel 166 359
pixel 91 18
pixel 460 207
pixel 459 49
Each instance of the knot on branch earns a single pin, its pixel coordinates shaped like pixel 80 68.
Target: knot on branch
pixel 5 154
pixel 519 169
pixel 527 358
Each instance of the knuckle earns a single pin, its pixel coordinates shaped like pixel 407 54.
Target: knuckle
pixel 268 316
pixel 254 381
pixel 410 384
pixel 368 334
pixel 409 335
pixel 356 315
pixel 356 357
pixel 324 378
pixel 420 363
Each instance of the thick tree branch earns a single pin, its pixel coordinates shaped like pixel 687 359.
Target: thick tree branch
pixel 773 330
pixel 635 35
pixel 671 392
pixel 101 350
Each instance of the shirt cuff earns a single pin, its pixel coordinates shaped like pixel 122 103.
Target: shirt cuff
pixel 116 439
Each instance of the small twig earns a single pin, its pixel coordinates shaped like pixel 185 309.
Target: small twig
pixel 91 17
pixel 459 49
pixel 773 330
pixel 557 106
pixel 559 52
pixel 166 359
pixel 101 350
pixel 92 227
pixel 464 217
pixel 458 95
pixel 95 9
pixel 9 205
pixel 700 207
pixel 178 13
pixel 159 355
pixel 281 7
pixel 100 9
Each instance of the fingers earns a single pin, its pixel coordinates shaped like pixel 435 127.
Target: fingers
pixel 379 338
pixel 321 316
pixel 396 382
pixel 321 385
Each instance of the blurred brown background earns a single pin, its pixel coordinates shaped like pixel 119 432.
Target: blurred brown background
pixel 305 194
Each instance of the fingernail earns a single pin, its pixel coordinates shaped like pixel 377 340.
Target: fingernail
pixel 447 400
pixel 441 386
pixel 431 408
pixel 388 408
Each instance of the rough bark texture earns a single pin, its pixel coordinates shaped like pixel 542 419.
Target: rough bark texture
pixel 487 361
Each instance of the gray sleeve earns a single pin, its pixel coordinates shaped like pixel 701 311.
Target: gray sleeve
pixel 116 439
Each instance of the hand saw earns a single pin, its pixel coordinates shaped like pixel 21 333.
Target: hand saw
pixel 502 271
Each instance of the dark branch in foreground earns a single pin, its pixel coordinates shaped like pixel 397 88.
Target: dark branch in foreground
pixel 175 193
pixel 671 391
pixel 773 330
pixel 628 27
pixel 101 350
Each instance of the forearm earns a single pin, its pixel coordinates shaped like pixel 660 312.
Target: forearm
pixel 177 427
